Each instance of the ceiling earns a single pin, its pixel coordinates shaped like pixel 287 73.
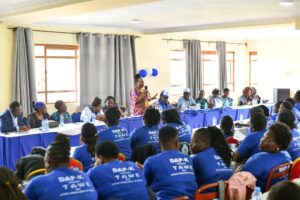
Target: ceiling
pixel 157 16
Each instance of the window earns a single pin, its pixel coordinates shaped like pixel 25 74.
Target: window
pixel 56 72
pixel 253 68
pixel 177 72
pixel 210 70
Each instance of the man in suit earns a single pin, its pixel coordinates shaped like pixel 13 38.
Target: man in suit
pixel 12 120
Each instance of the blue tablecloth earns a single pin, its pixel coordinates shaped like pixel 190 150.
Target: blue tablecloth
pixel 12 148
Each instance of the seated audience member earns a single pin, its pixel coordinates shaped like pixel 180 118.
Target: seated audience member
pixel 60 182
pixel 251 112
pixel 9 189
pixel 148 134
pixel 297 100
pixel 246 98
pixel 215 101
pixel 267 114
pixel 285 105
pixel 250 145
pixel 110 102
pixel 86 152
pixel 170 173
pixel 171 118
pixel 186 100
pixel 255 97
pixel 114 179
pixel 201 100
pixel 273 153
pixel 93 111
pixel 294 110
pixel 288 118
pixel 115 133
pixel 32 165
pixel 227 101
pixel 35 119
pixel 213 156
pixel 284 190
pixel 276 110
pixel 12 119
pixel 162 103
pixel 61 108
pixel 227 126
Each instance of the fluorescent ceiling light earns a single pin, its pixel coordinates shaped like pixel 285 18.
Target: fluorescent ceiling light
pixel 286 2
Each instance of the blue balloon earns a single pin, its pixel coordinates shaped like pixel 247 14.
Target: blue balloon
pixel 154 72
pixel 143 73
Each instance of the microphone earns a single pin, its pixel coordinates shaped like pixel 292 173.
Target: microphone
pixel 146 87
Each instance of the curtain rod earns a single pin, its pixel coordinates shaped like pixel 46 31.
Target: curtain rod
pixel 72 33
pixel 178 40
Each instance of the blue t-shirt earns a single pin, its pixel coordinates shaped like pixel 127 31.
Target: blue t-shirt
pixel 184 131
pixel 261 164
pixel 250 145
pixel 61 184
pixel 294 148
pixel 297 106
pixel 170 174
pixel 209 167
pixel 119 180
pixel 82 154
pixel 145 135
pixel 118 135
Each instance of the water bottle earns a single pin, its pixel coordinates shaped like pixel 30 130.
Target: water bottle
pixel 61 120
pixel 241 118
pixel 43 126
pixel 256 195
pixel 214 121
pixel 185 149
pixel 205 106
pixel 46 123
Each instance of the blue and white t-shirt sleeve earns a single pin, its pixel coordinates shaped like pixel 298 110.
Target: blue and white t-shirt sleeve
pixel 245 147
pixel 30 191
pixel 148 174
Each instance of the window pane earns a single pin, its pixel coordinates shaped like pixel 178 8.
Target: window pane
pixel 229 56
pixel 60 52
pixel 40 73
pixel 209 88
pixel 210 57
pixel 176 90
pixel 39 51
pixel 65 96
pixel 41 97
pixel 228 71
pixel 211 72
pixel 61 74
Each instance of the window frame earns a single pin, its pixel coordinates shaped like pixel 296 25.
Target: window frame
pixel 45 57
pixel 251 54
pixel 232 67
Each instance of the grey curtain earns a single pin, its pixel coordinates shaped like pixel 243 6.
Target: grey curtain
pixel 24 84
pixel 193 65
pixel 107 67
pixel 221 59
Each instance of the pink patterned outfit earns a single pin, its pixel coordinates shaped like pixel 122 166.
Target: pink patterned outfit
pixel 137 108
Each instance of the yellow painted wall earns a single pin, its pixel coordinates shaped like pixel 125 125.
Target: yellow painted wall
pixel 6 49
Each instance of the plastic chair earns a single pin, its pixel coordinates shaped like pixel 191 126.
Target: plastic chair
pixel 75 164
pixel 280 171
pixel 121 157
pixel 295 171
pixel 202 194
pixel 76 117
